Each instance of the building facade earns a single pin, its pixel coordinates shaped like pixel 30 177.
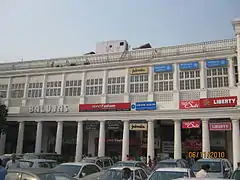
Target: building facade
pixel 171 100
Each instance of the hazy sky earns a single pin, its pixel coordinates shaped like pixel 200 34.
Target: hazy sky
pixel 37 29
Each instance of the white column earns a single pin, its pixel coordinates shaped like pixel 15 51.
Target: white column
pixel 202 75
pixel 83 84
pixel 231 76
pixel 44 85
pixel 177 140
pixel 235 142
pixel 205 137
pixel 38 143
pixel 101 141
pixel 79 143
pixel 105 82
pixel 150 141
pixel 63 85
pixel 20 138
pixel 126 90
pixel 26 87
pixel 9 88
pixel 150 79
pixel 58 145
pixel 125 141
pixel 175 77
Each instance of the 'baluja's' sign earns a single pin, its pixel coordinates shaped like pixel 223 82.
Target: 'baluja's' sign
pixel 49 109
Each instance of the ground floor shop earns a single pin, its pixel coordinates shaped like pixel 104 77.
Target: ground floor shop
pixel 211 132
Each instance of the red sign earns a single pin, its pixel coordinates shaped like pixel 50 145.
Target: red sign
pixel 222 126
pixel 191 124
pixel 230 101
pixel 191 104
pixel 104 107
pixel 193 144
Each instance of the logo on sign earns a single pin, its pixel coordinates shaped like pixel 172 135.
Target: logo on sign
pixel 230 101
pixel 191 124
pixel 226 126
pixel 189 65
pixel 138 126
pixel 139 70
pixel 163 68
pixel 192 104
pixel 216 63
pixel 142 106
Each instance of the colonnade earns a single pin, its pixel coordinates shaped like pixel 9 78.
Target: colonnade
pixel 125 139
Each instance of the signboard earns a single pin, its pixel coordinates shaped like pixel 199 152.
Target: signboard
pixel 230 101
pixel 189 104
pixel 48 109
pixel 91 125
pixel 114 125
pixel 216 63
pixel 143 106
pixel 189 66
pixel 191 124
pixel 104 107
pixel 139 70
pixel 167 146
pixel 138 127
pixel 221 126
pixel 163 68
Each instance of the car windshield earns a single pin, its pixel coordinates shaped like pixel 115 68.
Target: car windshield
pixel 236 175
pixel 129 164
pixel 215 166
pixel 114 174
pixel 71 170
pixel 167 175
pixel 88 160
pixel 165 165
pixel 53 176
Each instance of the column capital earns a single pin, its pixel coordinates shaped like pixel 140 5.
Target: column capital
pixel 79 121
pixel 150 120
pixel 39 121
pixel 235 120
pixel 59 122
pixel 176 120
pixel 21 122
pixel 102 120
pixel 205 120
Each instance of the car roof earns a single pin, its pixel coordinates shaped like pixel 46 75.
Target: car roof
pixel 37 154
pixel 32 170
pixel 96 157
pixel 78 164
pixel 169 160
pixel 128 162
pixel 173 169
pixel 207 160
pixel 121 167
pixel 38 160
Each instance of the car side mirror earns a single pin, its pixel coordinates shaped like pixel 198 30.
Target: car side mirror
pixel 84 174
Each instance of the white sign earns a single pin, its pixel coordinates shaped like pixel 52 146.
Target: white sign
pixel 49 109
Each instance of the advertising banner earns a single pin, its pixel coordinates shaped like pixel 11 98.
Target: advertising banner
pixel 104 107
pixel 230 101
pixel 143 106
pixel 189 65
pixel 221 126
pixel 163 68
pixel 138 127
pixel 139 70
pixel 216 63
pixel 191 124
pixel 189 104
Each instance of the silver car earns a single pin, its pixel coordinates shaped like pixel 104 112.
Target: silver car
pixel 38 163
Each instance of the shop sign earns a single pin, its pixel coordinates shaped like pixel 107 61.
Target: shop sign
pixel 189 66
pixel 221 126
pixel 163 68
pixel 114 125
pixel 193 144
pixel 94 125
pixel 138 127
pixel 143 106
pixel 104 107
pixel 139 70
pixel 49 109
pixel 167 146
pixel 191 124
pixel 216 63
pixel 189 104
pixel 230 101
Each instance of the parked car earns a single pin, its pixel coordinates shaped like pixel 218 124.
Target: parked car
pixel 35 174
pixel 103 162
pixel 51 156
pixel 219 168
pixel 137 173
pixel 198 179
pixel 236 174
pixel 77 170
pixel 38 163
pixel 6 157
pixel 171 173
pixel 172 163
pixel 133 164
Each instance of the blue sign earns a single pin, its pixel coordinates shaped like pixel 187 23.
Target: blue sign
pixel 216 63
pixel 143 106
pixel 189 65
pixel 163 68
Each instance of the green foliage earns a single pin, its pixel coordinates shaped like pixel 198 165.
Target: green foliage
pixel 3 116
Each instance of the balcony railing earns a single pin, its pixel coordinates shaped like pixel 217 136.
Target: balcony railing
pixel 209 46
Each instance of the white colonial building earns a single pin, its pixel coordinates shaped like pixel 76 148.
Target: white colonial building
pixel 137 87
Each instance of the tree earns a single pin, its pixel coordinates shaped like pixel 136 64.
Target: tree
pixel 3 116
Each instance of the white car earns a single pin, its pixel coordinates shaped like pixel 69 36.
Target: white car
pixel 77 170
pixel 37 163
pixel 200 178
pixel 171 173
pixel 137 173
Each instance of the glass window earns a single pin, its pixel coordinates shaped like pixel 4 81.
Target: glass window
pixel 35 90
pixel 217 77
pixel 3 90
pixel 17 90
pixel 53 88
pixel 163 82
pixel 189 80
pixel 73 88
pixel 214 166
pixel 137 175
pixel 139 83
pixel 167 175
pixel 71 170
pixel 106 163
pixel 116 85
pixel 143 174
pixel 94 86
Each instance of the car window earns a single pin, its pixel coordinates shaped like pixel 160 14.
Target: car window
pixel 143 174
pixel 179 164
pixel 99 163
pixel 137 175
pixel 106 163
pixel 182 164
pixel 12 176
pixel 94 169
pixel 27 177
pixel 192 174
pixel 25 163
pixel 86 170
pixel 43 165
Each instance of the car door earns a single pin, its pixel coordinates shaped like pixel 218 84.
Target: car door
pixel 13 176
pixel 143 174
